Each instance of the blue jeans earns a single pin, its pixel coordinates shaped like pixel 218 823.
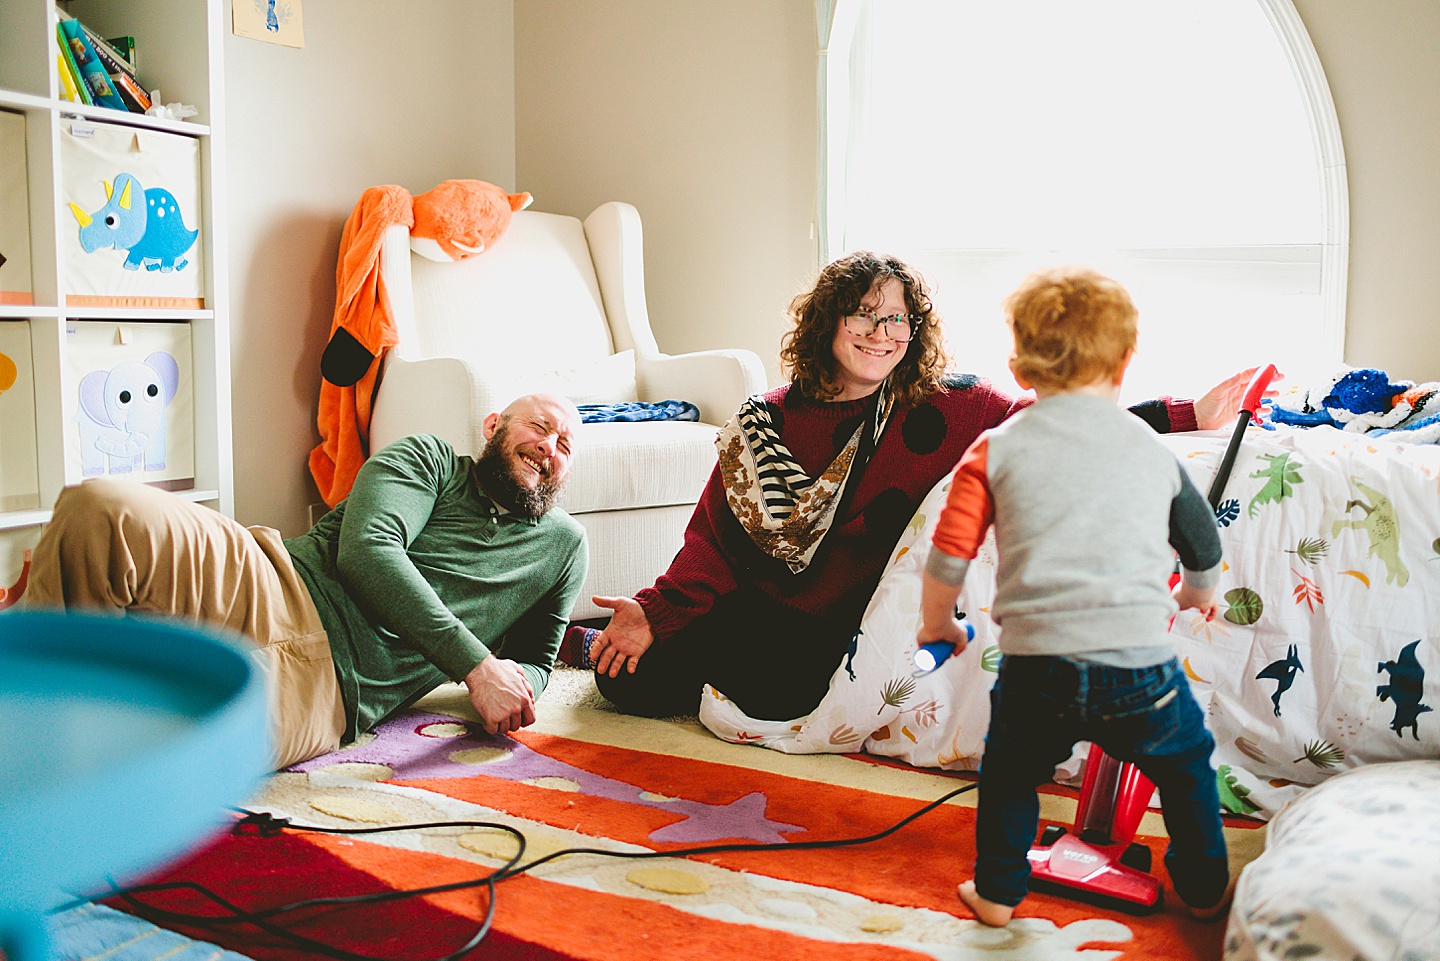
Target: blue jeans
pixel 1039 708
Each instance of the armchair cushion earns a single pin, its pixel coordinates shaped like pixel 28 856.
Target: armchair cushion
pixel 528 305
pixel 609 380
pixel 558 304
pixel 622 466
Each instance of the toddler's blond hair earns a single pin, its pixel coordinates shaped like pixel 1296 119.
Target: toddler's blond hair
pixel 1072 326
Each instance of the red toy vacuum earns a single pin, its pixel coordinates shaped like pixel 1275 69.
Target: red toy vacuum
pixel 1099 861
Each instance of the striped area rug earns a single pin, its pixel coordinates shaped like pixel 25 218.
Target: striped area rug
pixel 593 778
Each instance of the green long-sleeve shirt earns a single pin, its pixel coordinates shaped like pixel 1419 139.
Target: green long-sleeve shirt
pixel 418 576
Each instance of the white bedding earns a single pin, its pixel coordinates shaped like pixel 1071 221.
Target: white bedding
pixel 1332 548
pixel 1350 870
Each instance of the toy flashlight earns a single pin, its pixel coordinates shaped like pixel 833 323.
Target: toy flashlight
pixel 934 653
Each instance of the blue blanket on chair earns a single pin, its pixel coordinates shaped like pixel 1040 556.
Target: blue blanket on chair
pixel 639 410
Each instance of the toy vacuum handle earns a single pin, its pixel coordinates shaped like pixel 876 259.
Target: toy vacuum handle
pixel 1256 390
pixel 1249 404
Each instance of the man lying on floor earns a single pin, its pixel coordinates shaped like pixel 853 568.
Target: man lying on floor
pixel 434 566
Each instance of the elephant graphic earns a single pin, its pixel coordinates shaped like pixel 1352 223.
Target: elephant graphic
pixel 122 415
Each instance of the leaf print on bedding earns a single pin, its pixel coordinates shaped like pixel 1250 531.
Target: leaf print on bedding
pixel 1322 754
pixel 1307 592
pixel 896 692
pixel 1311 549
pixel 1245 606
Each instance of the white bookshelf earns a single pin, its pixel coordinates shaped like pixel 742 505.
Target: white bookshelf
pixel 180 45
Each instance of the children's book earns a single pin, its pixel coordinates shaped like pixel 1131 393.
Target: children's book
pixel 69 91
pixel 92 71
pixel 131 92
pixel 125 47
pixel 113 59
pixel 124 82
pixel 67 54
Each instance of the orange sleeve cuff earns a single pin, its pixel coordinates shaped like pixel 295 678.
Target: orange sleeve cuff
pixel 969 510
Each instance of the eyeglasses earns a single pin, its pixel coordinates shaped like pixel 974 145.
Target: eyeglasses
pixel 898 327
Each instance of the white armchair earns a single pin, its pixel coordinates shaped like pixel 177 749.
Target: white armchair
pixel 556 304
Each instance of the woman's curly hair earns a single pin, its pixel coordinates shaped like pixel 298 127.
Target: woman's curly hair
pixel 808 351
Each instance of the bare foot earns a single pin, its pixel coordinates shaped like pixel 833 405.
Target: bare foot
pixel 986 912
pixel 1217 911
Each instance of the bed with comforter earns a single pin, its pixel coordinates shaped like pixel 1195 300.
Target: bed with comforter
pixel 1324 657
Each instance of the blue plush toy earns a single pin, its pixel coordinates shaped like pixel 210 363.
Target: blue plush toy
pixel 1302 407
pixel 1365 390
pixel 1366 401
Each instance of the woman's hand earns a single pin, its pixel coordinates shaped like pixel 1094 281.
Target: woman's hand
pixel 1217 409
pixel 624 639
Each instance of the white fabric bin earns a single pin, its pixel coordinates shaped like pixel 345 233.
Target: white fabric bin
pixel 19 481
pixel 130 402
pixel 133 237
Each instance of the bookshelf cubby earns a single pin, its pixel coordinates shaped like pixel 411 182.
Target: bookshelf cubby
pixel 180 47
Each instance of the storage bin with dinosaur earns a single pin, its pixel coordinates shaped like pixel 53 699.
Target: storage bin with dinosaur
pixel 132 235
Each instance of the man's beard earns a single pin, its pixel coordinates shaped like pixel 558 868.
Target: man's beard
pixel 497 473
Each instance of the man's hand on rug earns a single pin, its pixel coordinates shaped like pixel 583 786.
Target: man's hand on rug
pixel 624 639
pixel 501 695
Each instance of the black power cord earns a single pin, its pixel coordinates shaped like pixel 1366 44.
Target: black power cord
pixel 266 825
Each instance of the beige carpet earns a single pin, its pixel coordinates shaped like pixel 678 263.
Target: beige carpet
pixel 573 687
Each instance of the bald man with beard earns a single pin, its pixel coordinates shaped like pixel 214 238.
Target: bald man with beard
pixel 437 566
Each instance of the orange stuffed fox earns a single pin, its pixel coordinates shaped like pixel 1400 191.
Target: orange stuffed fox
pixel 453 221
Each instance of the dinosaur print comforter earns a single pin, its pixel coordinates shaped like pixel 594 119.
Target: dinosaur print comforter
pixel 1326 655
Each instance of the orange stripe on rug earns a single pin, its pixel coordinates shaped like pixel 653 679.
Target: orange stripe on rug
pixel 918 866
pixel 608 926
pixel 664 802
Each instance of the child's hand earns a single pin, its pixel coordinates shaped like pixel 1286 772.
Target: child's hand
pixel 1202 601
pixel 952 630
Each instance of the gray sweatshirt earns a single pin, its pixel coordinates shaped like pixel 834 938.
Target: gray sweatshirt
pixel 1087 506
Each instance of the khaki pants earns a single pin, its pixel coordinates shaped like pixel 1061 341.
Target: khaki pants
pixel 122 546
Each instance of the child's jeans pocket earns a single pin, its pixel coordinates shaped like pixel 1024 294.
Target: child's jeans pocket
pixel 1155 714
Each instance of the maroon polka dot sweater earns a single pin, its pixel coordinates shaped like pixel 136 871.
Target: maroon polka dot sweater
pixel 920 445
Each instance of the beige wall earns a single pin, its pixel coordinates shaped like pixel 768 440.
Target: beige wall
pixel 410 94
pixel 702 115
pixel 1380 59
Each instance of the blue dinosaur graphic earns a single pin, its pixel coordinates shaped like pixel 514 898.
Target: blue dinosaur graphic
pixel 1406 687
pixel 850 654
pixel 1283 673
pixel 147 224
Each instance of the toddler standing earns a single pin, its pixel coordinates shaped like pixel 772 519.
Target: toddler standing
pixel 1086 506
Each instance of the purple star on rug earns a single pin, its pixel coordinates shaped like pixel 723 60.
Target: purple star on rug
pixel 402 745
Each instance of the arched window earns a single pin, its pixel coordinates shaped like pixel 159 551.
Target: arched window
pixel 1188 148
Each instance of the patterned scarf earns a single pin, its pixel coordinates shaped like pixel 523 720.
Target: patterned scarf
pixel 786 513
